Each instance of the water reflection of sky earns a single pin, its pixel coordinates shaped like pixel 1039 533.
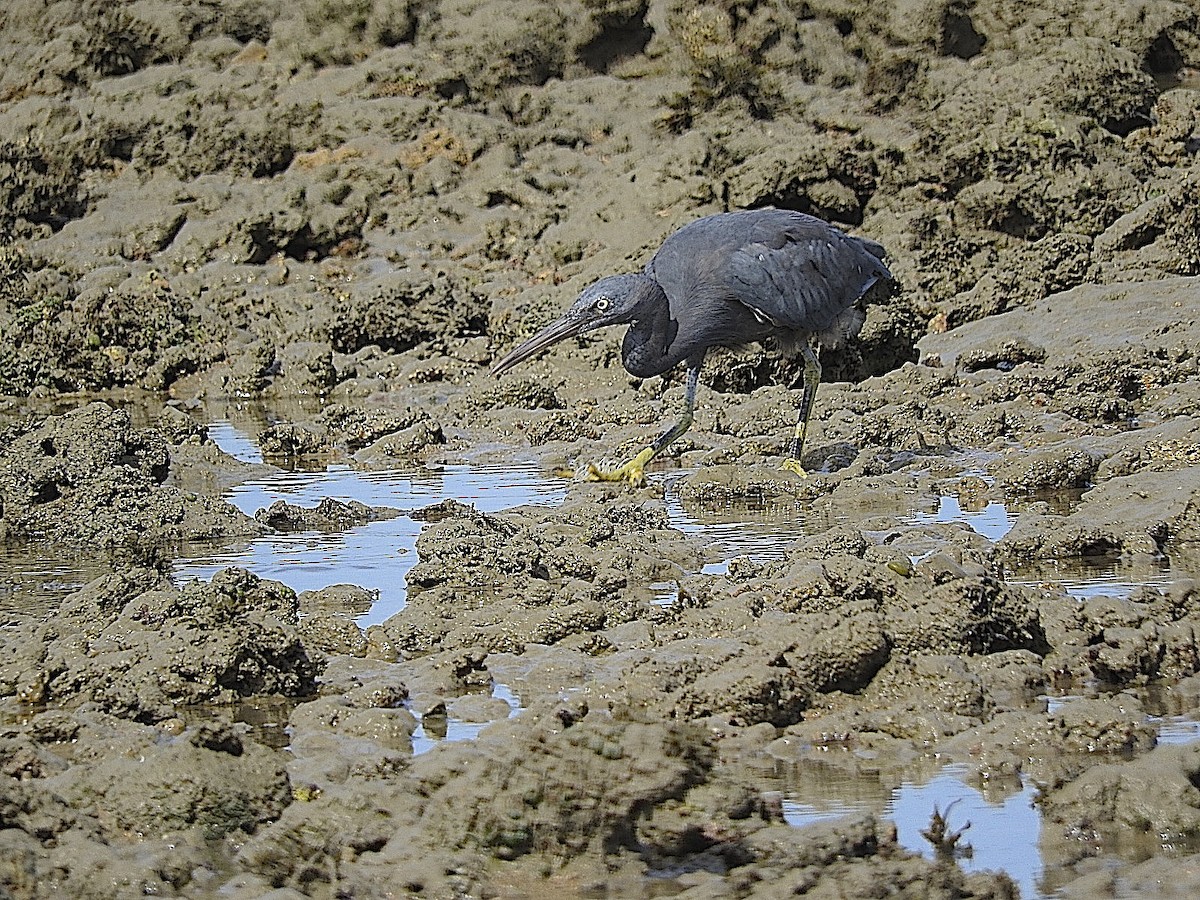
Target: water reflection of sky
pixel 1099 577
pixel 427 736
pixel 1004 833
pixel 377 555
pixel 1004 836
pixel 993 521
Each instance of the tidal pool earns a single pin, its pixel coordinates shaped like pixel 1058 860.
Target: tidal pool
pixel 1005 824
pixel 1001 826
pixel 376 555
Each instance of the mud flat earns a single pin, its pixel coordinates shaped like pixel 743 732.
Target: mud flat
pixel 241 241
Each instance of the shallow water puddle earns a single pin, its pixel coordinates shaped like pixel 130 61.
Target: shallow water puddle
pixel 432 731
pixel 1003 834
pixel 376 555
pixel 760 532
pixel 1178 730
pixel 35 578
pixel 757 531
pixel 1098 577
pixel 1005 826
pixel 993 521
pixel 235 442
pixel 753 531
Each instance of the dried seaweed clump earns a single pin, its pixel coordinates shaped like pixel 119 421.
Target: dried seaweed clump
pixel 116 42
pixel 95 340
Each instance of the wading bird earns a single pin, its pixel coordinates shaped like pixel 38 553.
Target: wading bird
pixel 726 280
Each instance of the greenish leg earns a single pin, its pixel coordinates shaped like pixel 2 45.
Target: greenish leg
pixel 812 377
pixel 634 470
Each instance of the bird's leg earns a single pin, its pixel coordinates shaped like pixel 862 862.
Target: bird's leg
pixel 634 470
pixel 812 377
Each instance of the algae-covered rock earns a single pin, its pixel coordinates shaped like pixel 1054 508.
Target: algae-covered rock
pixel 138 646
pixel 89 477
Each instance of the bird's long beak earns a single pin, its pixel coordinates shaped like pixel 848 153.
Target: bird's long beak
pixel 556 331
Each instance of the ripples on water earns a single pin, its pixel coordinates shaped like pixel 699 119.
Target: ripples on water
pixel 35 579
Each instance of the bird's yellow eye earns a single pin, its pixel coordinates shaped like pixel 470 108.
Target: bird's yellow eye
pixel 602 304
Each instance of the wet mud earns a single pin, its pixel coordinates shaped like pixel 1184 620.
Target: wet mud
pixel 325 221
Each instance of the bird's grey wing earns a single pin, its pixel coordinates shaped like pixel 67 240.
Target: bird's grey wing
pixel 807 279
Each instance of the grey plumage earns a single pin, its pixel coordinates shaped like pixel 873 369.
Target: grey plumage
pixel 726 280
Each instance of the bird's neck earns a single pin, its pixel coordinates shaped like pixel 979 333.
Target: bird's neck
pixel 647 347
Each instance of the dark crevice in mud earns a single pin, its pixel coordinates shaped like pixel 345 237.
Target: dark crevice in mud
pixel 1125 126
pixel 1162 59
pixel 959 37
pixel 1142 236
pixel 614 44
pixel 500 198
pixel 57 220
pixel 122 148
pixel 169 234
pixel 1100 551
pixel 271 164
pixel 306 247
pixel 46 493
pixel 452 88
pixel 264 247
pixel 798 199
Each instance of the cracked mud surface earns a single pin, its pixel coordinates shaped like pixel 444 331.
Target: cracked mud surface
pixel 325 221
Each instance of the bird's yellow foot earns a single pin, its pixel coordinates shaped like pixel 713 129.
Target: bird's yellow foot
pixel 793 465
pixel 633 472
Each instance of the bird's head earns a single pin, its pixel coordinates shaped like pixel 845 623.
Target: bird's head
pixel 610 301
